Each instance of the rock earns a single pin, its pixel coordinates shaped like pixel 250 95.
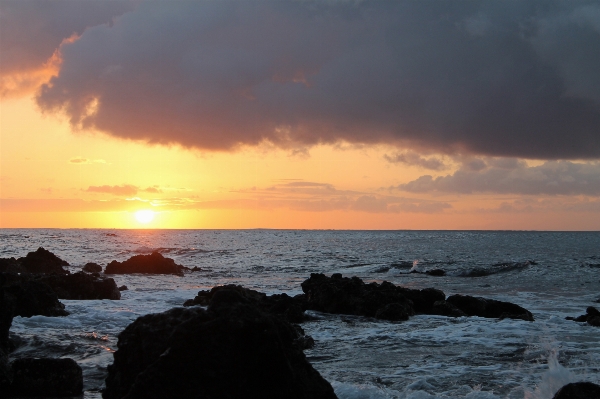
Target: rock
pixel 436 272
pixel 32 298
pixel 42 261
pixel 444 308
pixel 394 312
pixel 283 305
pixel 352 296
pixel 123 288
pixel 578 390
pixel 45 378
pixel 78 285
pixel 482 307
pixel 196 269
pixel 154 263
pixel 592 317
pixel 92 268
pixel 10 265
pixel 231 350
pixel 7 311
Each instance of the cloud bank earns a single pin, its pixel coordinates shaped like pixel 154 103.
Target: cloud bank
pixel 511 176
pixel 515 79
pixel 123 190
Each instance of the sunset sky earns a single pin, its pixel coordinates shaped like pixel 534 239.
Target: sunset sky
pixel 326 114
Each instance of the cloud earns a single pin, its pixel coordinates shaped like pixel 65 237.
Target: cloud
pixel 513 79
pixel 511 176
pixel 411 158
pixel 31 32
pixel 85 161
pixel 124 190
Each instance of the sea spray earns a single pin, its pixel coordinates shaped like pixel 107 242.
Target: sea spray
pixel 552 380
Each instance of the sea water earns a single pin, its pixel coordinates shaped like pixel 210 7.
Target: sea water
pixel 552 274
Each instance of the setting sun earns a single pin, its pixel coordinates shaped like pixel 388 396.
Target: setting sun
pixel 144 216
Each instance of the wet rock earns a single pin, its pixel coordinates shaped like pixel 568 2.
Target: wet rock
pixel 45 378
pixel 78 285
pixel 92 268
pixel 123 288
pixel 32 298
pixel 231 350
pixel 352 296
pixel 394 312
pixel 154 263
pixel 591 316
pixel 10 265
pixel 42 261
pixel 444 308
pixel 436 272
pixel 290 308
pixel 491 308
pixel 578 390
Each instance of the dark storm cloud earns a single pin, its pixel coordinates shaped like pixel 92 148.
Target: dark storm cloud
pixel 510 176
pixel 498 78
pixel 31 31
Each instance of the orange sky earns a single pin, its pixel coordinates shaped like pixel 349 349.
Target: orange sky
pixel 262 125
pixel 47 171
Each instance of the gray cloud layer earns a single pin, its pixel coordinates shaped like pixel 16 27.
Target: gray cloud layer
pixel 510 176
pixel 485 77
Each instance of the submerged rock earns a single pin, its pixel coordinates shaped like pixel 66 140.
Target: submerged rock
pixel 92 268
pixel 154 263
pixel 231 350
pixel 45 378
pixel 591 316
pixel 342 295
pixel 491 308
pixel 578 390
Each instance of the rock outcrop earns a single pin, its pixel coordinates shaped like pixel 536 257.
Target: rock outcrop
pixel 91 267
pixel 337 294
pixel 45 378
pixel 290 308
pixel 231 350
pixel 578 390
pixel 591 316
pixel 491 308
pixel 153 263
pixel 40 261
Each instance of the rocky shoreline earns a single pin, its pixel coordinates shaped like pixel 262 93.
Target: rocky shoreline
pixel 193 351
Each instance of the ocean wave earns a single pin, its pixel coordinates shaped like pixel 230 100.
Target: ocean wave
pixel 496 269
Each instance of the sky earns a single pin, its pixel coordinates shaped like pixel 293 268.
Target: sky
pixel 327 114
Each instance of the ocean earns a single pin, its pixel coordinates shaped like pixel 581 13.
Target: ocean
pixel 551 274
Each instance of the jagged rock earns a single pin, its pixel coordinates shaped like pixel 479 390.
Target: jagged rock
pixel 92 268
pixel 123 288
pixel 394 312
pixel 578 390
pixel 33 298
pixel 291 308
pixel 337 294
pixel 154 263
pixel 231 350
pixel 42 261
pixel 10 265
pixel 78 285
pixel 491 308
pixel 45 378
pixel 444 308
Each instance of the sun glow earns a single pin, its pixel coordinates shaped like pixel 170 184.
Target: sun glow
pixel 144 216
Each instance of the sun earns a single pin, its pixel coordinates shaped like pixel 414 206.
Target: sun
pixel 144 216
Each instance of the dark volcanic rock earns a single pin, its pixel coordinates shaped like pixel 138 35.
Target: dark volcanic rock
pixel 154 263
pixel 291 308
pixel 45 378
pixel 81 286
pixel 444 308
pixel 92 268
pixel 482 307
pixel 42 261
pixel 352 296
pixel 10 265
pixel 436 272
pixel 123 288
pixel 578 390
pixel 233 350
pixel 592 317
pixel 32 298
